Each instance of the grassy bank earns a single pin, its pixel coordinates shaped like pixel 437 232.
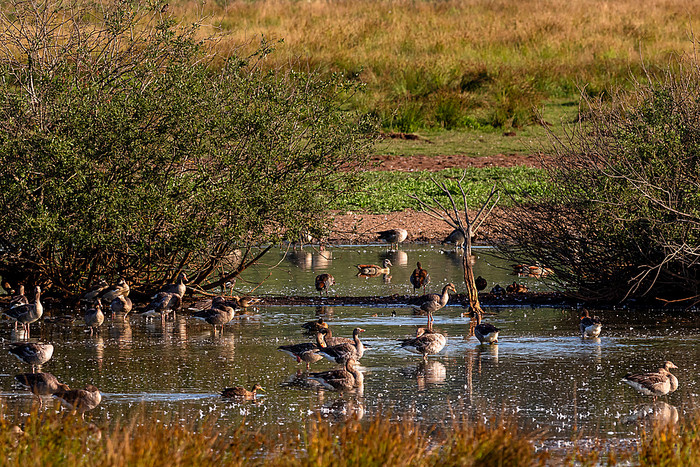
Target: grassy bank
pixel 50 440
pixel 388 191
pixel 458 64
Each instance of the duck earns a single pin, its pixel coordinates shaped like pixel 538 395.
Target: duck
pixel 589 327
pixel 178 287
pixel 323 283
pixel 110 293
pixel 219 314
pixel 163 304
pixel 29 313
pixel 79 400
pixel 239 392
pixel 456 238
pixel 343 379
pixel 655 384
pixel 306 351
pixel 94 291
pixel 480 283
pixel 392 237
pixel 373 270
pixel 34 354
pixel 485 332
pixel 419 278
pixel 427 342
pixel 339 353
pixel 41 384
pixel 517 288
pixel 315 326
pixel 531 270
pixel 245 302
pixel 432 302
pixel 498 290
pixel 121 304
pixel 94 317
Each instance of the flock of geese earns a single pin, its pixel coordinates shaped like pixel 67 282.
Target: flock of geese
pixel 345 352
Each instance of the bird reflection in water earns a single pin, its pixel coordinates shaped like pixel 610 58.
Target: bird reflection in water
pixel 657 415
pixel 121 332
pixel 427 373
pixel 397 257
pixel 96 344
pixel 344 409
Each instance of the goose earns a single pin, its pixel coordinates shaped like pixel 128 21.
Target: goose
pixel 41 384
pixel 178 287
pixel 393 237
pixel 29 313
pixel 340 353
pixel 656 384
pixel 480 283
pixel 485 332
pixel 419 278
pixel 331 340
pixel 456 238
pixel 79 400
pixel 315 326
pixel 121 304
pixel 95 291
pixel 432 302
pixel 306 351
pixel 427 342
pixel 94 317
pixel 34 354
pixel 240 392
pixel 343 379
pixel 323 283
pixel 219 314
pixel 245 302
pixel 589 327
pixel 120 288
pixel 18 299
pixel 498 290
pixel 163 303
pixel 373 270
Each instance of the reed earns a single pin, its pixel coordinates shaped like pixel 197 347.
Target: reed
pixel 459 64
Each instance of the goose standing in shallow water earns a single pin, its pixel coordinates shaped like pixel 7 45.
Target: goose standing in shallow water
pixel 41 384
pixel 323 283
pixel 18 299
pixel 456 238
pixel 342 352
pixel 94 317
pixel 121 304
pixel 485 332
pixel 393 237
pixel 79 400
pixel 178 287
pixel 342 379
pixel 121 288
pixel 29 313
pixel 32 354
pixel 219 314
pixel 655 384
pixel 240 392
pixel 306 351
pixel 373 270
pixel 432 302
pixel 163 303
pixel 420 278
pixel 314 327
pixel 589 327
pixel 427 342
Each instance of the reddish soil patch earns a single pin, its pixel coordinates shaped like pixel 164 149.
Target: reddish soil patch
pixel 434 163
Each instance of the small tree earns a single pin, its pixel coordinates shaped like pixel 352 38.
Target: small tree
pixel 624 217
pixel 125 151
pixel 468 227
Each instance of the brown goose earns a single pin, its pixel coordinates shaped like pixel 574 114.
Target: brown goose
pixel 163 304
pixel 342 352
pixel 432 302
pixel 314 327
pixel 342 379
pixel 427 342
pixel 240 392
pixel 419 278
pixel 18 299
pixel 245 302
pixel 32 354
pixel 306 351
pixel 485 332
pixel 79 400
pixel 456 238
pixel 654 384
pixel 29 313
pixel 331 340
pixel 393 237
pixel 219 314
pixel 94 317
pixel 178 287
pixel 120 288
pixel 589 327
pixel 95 291
pixel 372 270
pixel 41 384
pixel 323 283
pixel 121 304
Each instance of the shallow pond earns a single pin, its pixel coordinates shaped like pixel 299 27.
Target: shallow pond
pixel 541 372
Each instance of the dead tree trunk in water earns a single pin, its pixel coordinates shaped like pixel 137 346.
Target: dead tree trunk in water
pixel 468 227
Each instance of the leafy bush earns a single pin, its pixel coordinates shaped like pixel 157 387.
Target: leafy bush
pixel 142 159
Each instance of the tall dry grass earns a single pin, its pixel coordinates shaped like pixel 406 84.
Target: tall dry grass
pixel 459 63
